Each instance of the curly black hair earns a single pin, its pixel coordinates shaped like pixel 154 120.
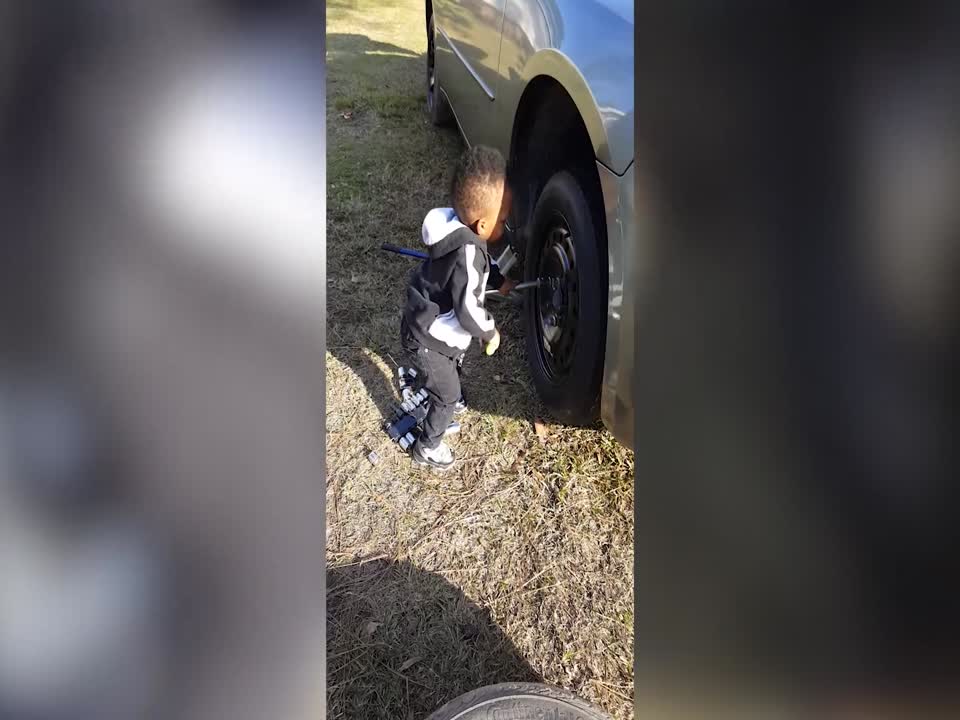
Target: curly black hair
pixel 477 181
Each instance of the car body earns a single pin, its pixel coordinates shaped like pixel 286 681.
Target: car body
pixel 510 71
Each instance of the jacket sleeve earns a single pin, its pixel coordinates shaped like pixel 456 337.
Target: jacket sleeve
pixel 466 290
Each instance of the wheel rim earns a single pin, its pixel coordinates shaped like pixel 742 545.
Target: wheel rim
pixel 557 302
pixel 431 69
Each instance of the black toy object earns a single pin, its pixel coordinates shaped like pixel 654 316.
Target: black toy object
pixel 403 427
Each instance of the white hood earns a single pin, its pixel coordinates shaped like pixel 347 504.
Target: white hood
pixel 439 223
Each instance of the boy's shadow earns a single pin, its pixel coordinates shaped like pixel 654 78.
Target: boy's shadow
pixel 483 393
pixel 401 642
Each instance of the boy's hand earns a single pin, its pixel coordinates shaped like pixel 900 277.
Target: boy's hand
pixel 494 343
pixel 506 286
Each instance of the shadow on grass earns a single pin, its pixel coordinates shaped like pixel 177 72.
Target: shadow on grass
pixel 401 642
pixel 492 386
pixel 356 44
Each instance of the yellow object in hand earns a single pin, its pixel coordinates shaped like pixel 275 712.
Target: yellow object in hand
pixel 494 343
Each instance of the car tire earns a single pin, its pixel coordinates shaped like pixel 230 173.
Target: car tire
pixel 437 106
pixel 566 316
pixel 517 700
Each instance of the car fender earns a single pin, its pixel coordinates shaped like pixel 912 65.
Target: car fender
pixel 587 47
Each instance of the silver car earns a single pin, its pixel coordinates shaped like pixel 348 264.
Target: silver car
pixel 550 84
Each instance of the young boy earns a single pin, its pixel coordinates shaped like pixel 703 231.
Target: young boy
pixel 445 297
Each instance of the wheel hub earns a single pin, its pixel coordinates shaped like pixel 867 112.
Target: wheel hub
pixel 557 299
pixel 431 72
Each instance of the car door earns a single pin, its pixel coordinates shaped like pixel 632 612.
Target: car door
pixel 468 45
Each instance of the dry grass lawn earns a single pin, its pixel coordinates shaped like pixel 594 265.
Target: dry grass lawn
pixel 515 565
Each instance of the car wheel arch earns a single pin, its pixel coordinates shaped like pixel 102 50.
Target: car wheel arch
pixel 551 66
pixel 545 97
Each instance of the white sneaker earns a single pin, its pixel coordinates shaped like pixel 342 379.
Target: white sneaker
pixel 439 457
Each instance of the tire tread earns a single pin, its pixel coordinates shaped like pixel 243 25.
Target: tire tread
pixel 585 711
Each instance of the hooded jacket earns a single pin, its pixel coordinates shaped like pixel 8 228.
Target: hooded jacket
pixel 445 307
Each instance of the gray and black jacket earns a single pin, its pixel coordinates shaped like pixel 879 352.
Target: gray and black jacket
pixel 445 307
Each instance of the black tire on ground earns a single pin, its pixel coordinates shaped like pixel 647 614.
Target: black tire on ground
pixel 437 106
pixel 568 376
pixel 517 700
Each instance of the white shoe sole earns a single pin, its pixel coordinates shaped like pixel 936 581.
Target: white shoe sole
pixel 426 462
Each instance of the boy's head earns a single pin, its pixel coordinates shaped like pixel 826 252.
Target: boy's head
pixel 479 192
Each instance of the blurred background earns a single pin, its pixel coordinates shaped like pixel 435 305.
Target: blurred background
pixel 161 366
pixel 798 411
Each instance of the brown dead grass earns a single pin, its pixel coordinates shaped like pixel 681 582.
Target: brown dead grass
pixel 515 565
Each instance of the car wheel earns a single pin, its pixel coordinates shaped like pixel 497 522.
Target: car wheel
pixel 517 700
pixel 437 105
pixel 566 316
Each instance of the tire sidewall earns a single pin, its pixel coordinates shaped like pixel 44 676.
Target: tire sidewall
pixel 574 399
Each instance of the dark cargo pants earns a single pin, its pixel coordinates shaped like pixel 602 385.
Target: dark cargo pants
pixel 441 379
